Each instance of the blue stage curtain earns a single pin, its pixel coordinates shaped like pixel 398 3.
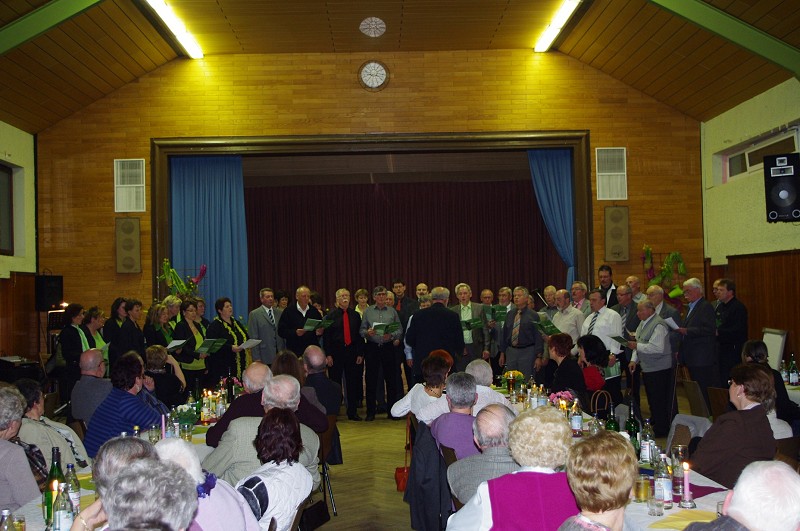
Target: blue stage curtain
pixel 208 227
pixel 551 171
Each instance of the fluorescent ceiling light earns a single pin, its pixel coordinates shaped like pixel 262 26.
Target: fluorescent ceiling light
pixel 177 27
pixel 556 25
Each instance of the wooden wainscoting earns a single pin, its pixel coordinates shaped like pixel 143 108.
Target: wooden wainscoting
pixel 18 317
pixel 767 284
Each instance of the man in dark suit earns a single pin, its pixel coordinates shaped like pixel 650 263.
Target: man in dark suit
pixel 698 348
pixel 435 328
pixel 345 350
pixel 607 288
pixel 731 319
pixel 628 313
pixel 329 393
pixel 290 326
pixel 263 324
pixel 476 340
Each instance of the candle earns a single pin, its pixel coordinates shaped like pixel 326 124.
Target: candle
pixel 687 495
pixel 163 428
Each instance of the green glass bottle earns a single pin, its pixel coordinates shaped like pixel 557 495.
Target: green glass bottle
pixel 632 427
pixel 612 424
pixel 54 477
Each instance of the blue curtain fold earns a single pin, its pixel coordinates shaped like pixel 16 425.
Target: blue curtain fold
pixel 208 227
pixel 551 172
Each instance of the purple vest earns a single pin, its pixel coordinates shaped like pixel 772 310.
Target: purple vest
pixel 531 500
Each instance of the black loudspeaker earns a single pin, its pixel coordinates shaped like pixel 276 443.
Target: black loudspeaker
pixel 49 292
pixel 617 249
pixel 129 256
pixel 782 187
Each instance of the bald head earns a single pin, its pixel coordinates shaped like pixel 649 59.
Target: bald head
pixel 90 362
pixel 490 427
pixel 255 375
pixel 314 359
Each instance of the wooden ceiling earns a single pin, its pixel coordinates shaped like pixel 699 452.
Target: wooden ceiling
pixel 113 43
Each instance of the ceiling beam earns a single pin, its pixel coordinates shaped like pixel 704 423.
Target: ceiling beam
pixel 38 21
pixel 736 31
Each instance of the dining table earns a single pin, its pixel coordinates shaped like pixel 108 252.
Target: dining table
pixel 706 494
pixel 794 393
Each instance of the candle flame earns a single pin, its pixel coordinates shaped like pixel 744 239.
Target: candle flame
pixel 685 466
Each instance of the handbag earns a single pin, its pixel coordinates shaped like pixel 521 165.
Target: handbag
pixel 314 515
pixel 401 472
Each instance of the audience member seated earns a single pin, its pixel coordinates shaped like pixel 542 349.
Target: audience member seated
pixel 757 504
pixel 17 484
pixel 490 431
pixel 482 372
pixel 592 356
pixel 454 429
pixel 236 458
pixel 47 434
pixel 756 352
pixel 249 405
pixel 151 494
pixel 219 506
pixel 434 373
pixel 122 409
pixel 601 471
pixel 278 488
pixel 167 375
pixel 539 440
pixel 739 437
pixel 568 375
pixel 328 392
pixel 287 362
pixel 92 388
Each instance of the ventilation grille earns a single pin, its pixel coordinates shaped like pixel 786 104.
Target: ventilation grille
pixel 129 185
pixel 612 176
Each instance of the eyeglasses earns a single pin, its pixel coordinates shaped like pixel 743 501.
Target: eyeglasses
pixel 731 382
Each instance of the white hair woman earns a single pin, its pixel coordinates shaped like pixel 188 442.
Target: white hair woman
pixel 539 440
pixel 219 506
pixel 17 485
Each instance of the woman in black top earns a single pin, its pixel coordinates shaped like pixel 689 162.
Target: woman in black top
pixel 112 327
pixel 568 375
pixel 156 330
pixel 230 359
pixel 192 362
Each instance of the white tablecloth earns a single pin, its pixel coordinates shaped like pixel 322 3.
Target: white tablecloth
pixel 794 393
pixel 637 519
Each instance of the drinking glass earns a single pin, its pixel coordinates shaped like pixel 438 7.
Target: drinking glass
pixel 655 506
pixel 679 454
pixel 186 432
pixel 19 522
pixel 641 489
pixel 720 506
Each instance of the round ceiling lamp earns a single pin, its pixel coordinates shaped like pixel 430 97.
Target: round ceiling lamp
pixel 372 27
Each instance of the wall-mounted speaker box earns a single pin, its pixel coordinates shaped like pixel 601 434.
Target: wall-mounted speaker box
pixel 49 292
pixel 617 248
pixel 129 253
pixel 782 187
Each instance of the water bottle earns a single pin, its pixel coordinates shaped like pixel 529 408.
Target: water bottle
pixel 647 442
pixel 62 510
pixel 663 480
pixel 793 374
pixel 73 488
pixel 6 520
pixel 784 372
pixel 576 420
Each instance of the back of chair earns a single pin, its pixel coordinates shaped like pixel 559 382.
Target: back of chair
pixel 719 399
pixel 775 340
pixel 449 454
pixel 601 401
pixel 79 427
pixel 326 438
pixel 682 436
pixel 50 404
pixel 790 447
pixel 697 404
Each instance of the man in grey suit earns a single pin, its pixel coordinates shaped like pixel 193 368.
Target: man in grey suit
pixel 476 341
pixel 235 458
pixel 263 324
pixel 490 430
pixel 698 349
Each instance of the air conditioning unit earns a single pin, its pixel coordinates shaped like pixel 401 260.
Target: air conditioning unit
pixel 751 158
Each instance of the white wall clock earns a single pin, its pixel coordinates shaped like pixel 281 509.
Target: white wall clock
pixel 373 75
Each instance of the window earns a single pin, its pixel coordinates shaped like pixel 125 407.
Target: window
pixel 6 211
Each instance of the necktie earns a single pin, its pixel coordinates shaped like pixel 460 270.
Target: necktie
pixel 624 316
pixel 270 317
pixel 515 329
pixel 346 325
pixel 594 320
pixel 576 305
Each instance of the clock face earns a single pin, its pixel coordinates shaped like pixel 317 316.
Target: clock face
pixel 373 75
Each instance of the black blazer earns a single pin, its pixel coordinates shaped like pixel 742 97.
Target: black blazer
pixel 71 346
pixel 291 320
pixel 182 331
pixel 333 338
pixel 154 337
pixel 435 328
pixel 130 337
pixel 699 345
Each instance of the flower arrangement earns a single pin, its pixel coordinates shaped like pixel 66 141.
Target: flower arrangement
pixel 174 282
pixel 186 414
pixel 238 387
pixel 516 375
pixel 557 398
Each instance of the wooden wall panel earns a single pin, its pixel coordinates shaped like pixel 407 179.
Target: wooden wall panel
pixel 314 94
pixel 767 285
pixel 18 316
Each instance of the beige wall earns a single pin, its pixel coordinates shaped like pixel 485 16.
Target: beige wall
pixel 16 151
pixel 734 214
pixel 312 94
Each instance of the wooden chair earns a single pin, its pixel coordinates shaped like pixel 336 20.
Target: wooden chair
pixel 719 400
pixel 449 458
pixel 788 460
pixel 51 404
pixel 682 436
pixel 697 404
pixel 297 516
pixel 79 427
pixel 601 401
pixel 790 447
pixel 325 443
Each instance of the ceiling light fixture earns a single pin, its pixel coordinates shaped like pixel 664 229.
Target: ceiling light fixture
pixel 560 20
pixel 177 28
pixel 372 27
